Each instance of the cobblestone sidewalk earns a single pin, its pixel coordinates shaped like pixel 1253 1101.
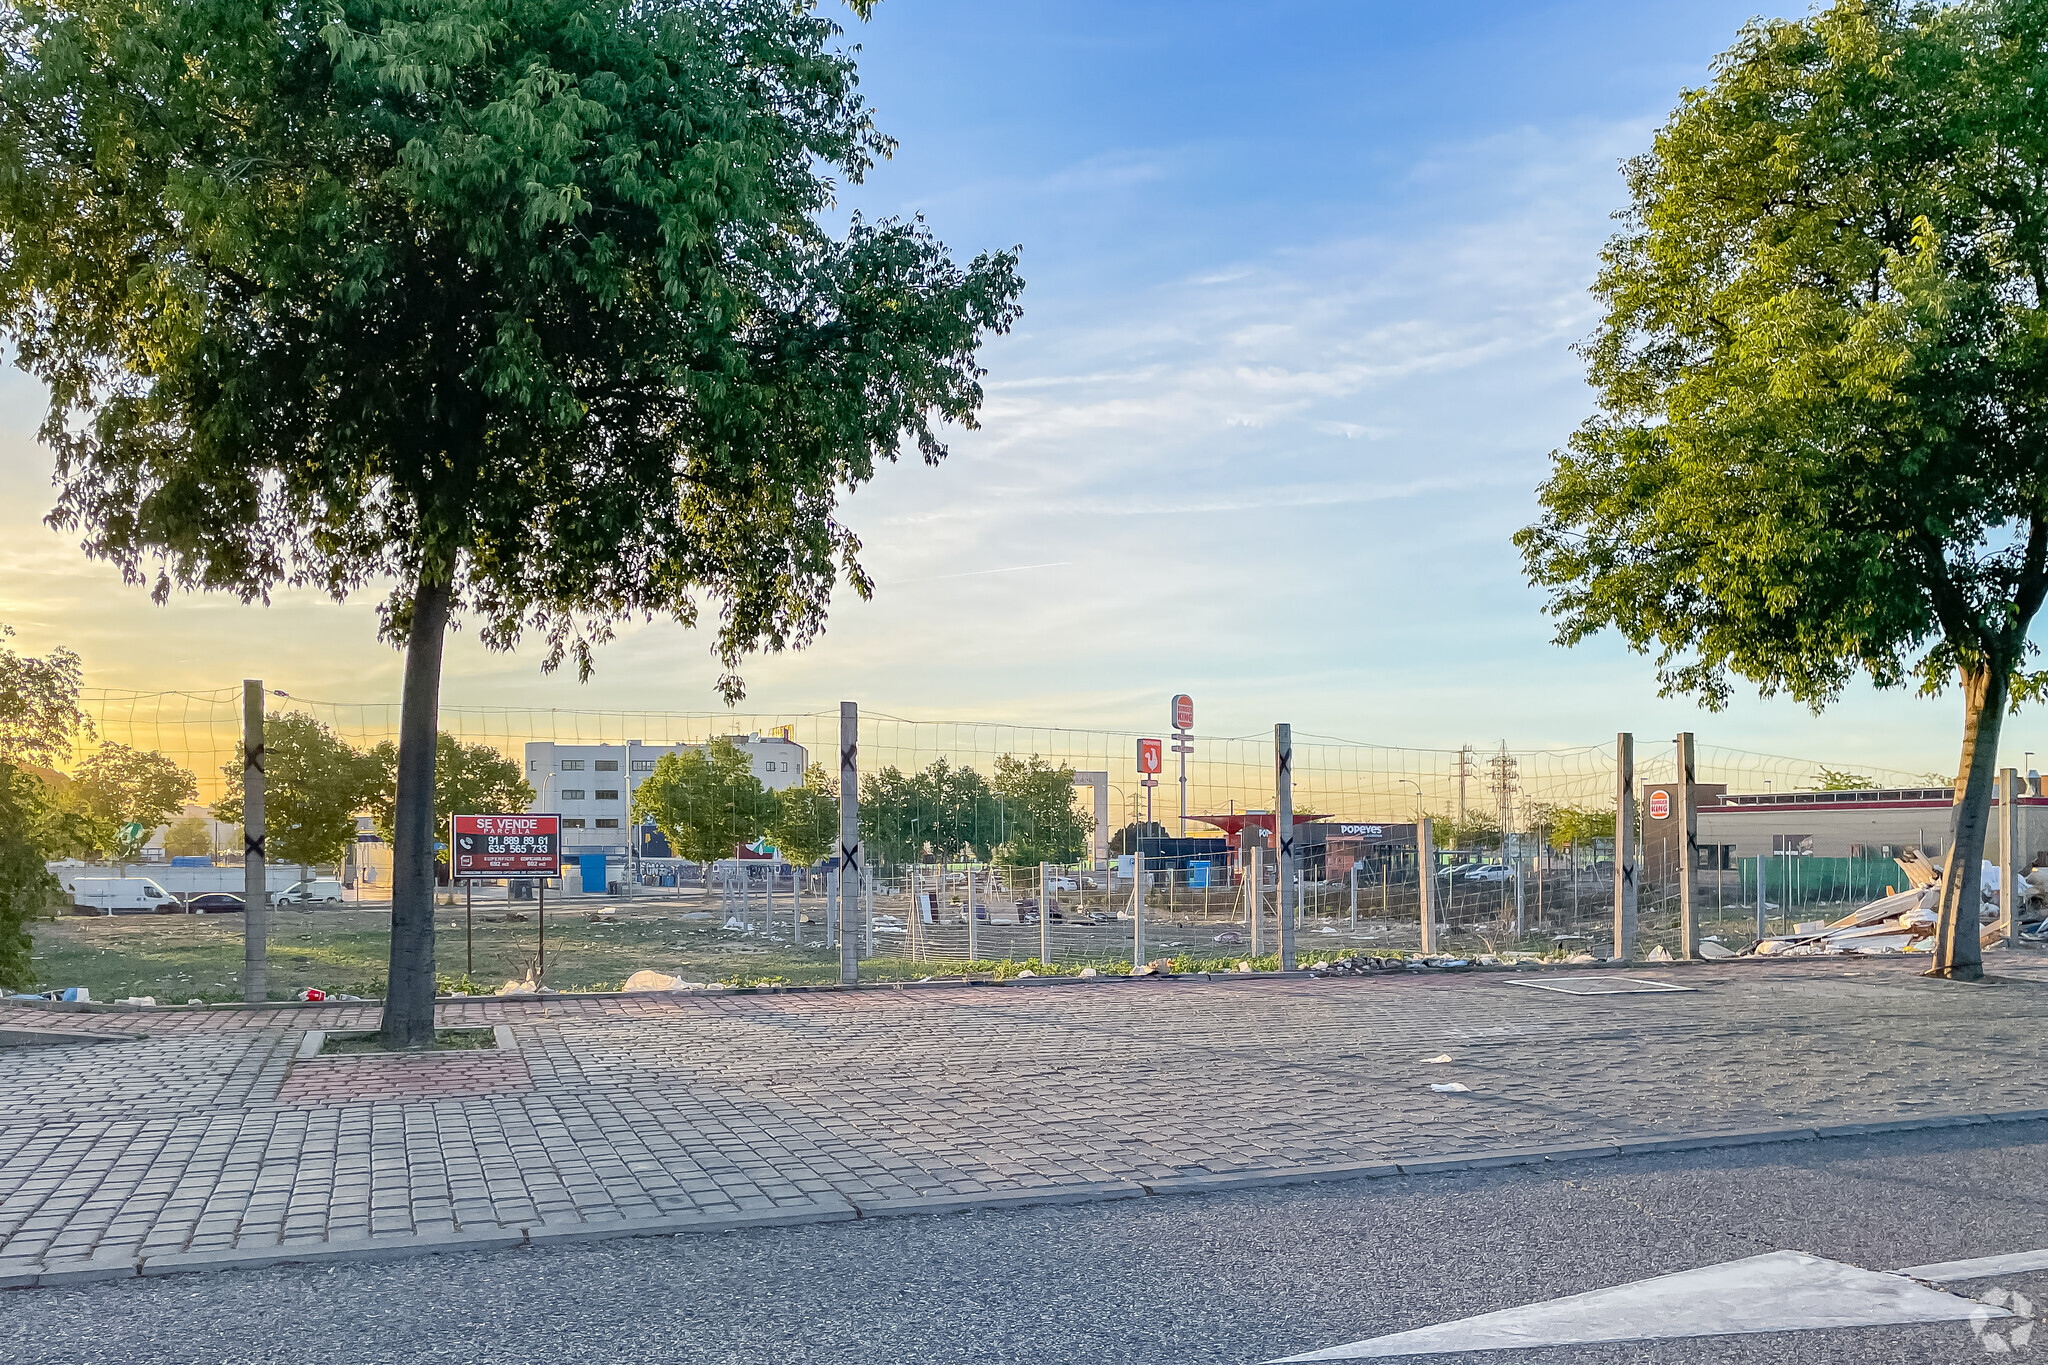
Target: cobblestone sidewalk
pixel 202 1138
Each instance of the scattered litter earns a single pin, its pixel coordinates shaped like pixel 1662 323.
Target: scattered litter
pixel 1658 954
pixel 1242 967
pixel 1435 1061
pixel 1358 964
pixel 147 1002
pixel 1452 1088
pixel 195 1000
pixel 1228 936
pixel 1809 926
pixel 1088 971
pixel 645 980
pixel 311 994
pixel 734 923
pixel 1326 929
pixel 1158 966
pixel 1715 952
pixel 1020 976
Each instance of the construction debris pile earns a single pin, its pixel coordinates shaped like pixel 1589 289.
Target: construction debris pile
pixel 1904 922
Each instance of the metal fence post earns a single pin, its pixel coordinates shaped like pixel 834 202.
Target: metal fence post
pixel 1045 913
pixel 973 937
pixel 1283 838
pixel 1688 854
pixel 1425 879
pixel 2008 857
pixel 849 842
pixel 1255 900
pixel 1354 898
pixel 1624 846
pixel 916 913
pixel 255 892
pixel 1138 912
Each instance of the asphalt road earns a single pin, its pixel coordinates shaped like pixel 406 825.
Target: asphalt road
pixel 1236 1277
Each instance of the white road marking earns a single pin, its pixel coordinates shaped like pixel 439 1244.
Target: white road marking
pixel 1947 1272
pixel 1781 1291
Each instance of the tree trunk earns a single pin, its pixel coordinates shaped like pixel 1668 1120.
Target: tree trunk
pixel 1958 953
pixel 409 998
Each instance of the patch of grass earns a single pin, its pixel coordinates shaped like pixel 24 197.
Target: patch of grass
pixel 445 1040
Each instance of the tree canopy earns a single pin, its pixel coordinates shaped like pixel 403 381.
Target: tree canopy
pixel 469 779
pixel 39 712
pixel 314 785
pixel 131 792
pixel 805 830
pixel 522 307
pixel 1823 424
pixel 943 810
pixel 1040 821
pixel 706 801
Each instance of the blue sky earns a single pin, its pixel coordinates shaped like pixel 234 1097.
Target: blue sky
pixel 1303 282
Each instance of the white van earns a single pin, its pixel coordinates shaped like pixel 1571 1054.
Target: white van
pixel 120 896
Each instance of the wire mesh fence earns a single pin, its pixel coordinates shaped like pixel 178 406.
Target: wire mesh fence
pixel 994 842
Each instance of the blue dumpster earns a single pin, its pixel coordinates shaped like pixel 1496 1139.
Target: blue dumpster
pixel 593 871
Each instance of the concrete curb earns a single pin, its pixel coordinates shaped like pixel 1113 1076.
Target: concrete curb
pixel 836 1208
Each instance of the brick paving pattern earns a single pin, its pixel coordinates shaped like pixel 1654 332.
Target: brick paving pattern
pixel 204 1136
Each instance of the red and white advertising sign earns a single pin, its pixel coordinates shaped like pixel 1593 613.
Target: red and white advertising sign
pixel 1660 805
pixel 507 846
pixel 1151 756
pixel 1183 712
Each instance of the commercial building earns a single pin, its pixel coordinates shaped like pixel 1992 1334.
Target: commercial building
pixel 591 786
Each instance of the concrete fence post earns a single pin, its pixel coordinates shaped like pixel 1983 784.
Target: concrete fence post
pixel 851 870
pixel 1624 847
pixel 1288 891
pixel 1354 898
pixel 255 892
pixel 1425 879
pixel 2009 857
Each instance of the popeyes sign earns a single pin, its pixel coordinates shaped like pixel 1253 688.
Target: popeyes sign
pixel 507 846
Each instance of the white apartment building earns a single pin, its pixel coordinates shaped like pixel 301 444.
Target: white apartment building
pixel 591 785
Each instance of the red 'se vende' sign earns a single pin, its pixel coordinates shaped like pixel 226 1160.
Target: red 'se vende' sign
pixel 507 846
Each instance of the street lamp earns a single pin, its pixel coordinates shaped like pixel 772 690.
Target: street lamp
pixel 1418 794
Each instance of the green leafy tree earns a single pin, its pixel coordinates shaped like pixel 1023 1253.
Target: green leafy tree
pixel 315 783
pixel 524 307
pixel 1823 381
pixel 1835 780
pixel 940 811
pixel 26 886
pixel 706 802
pixel 188 838
pixel 1041 822
pixel 1475 829
pixel 132 792
pixel 39 712
pixel 1569 826
pixel 469 779
pixel 805 829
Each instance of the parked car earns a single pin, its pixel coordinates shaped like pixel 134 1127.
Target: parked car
pixel 314 891
pixel 1065 884
pixel 214 903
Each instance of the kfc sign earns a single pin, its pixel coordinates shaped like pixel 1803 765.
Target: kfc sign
pixel 507 846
